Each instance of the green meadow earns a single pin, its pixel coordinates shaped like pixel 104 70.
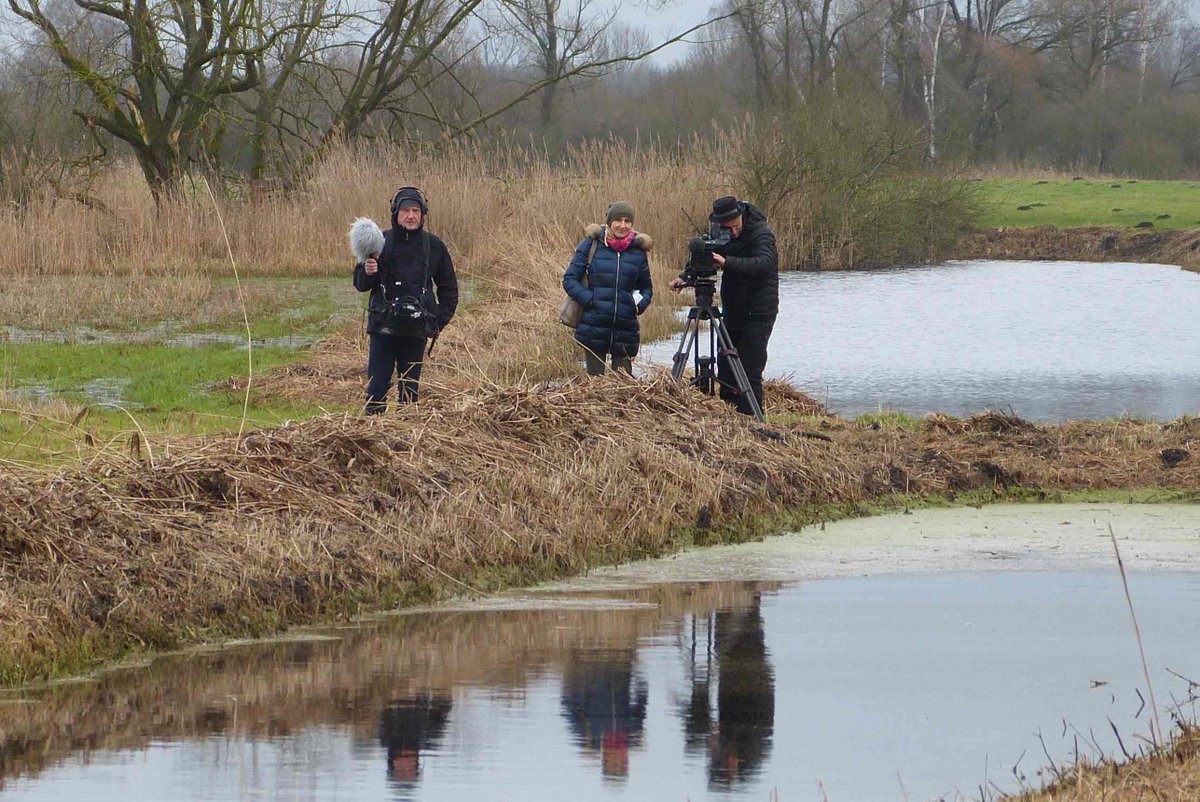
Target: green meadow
pixel 65 393
pixel 1069 203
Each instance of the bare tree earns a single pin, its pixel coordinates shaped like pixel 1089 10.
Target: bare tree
pixel 933 24
pixel 278 64
pixel 555 37
pixel 392 66
pixel 154 83
pixel 1181 57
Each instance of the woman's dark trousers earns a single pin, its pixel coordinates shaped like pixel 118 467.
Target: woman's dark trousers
pixel 595 363
pixel 390 354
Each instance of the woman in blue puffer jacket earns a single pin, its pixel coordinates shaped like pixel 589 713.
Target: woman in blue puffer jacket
pixel 619 266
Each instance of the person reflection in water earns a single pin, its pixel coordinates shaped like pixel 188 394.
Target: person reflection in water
pixel 407 726
pixel 605 705
pixel 739 741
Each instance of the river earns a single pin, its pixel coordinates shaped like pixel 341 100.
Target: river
pixel 1046 340
pixel 906 657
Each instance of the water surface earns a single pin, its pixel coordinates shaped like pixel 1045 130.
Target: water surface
pixel 1048 340
pixel 873 688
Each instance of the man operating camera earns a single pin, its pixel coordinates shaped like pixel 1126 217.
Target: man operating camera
pixel 749 292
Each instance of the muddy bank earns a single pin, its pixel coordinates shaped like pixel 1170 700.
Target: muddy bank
pixel 1090 243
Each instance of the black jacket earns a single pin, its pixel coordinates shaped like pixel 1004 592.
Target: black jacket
pixel 750 279
pixel 400 269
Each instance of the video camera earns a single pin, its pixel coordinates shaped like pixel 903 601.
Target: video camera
pixel 700 264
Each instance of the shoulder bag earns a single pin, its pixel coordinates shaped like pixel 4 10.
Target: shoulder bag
pixel 570 312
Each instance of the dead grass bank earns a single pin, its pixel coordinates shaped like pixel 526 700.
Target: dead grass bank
pixel 1172 774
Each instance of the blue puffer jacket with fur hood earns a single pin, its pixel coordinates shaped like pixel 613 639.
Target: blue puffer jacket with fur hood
pixel 609 324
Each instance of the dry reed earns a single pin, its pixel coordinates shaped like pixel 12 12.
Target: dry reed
pixel 1172 774
pixel 482 202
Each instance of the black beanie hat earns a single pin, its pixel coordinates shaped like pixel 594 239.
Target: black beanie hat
pixel 724 209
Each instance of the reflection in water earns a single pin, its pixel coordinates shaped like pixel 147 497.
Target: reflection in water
pixel 710 691
pixel 738 742
pixel 409 725
pixel 605 705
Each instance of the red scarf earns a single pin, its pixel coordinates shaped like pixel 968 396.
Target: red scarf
pixel 619 245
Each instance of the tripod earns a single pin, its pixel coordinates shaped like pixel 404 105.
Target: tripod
pixel 705 376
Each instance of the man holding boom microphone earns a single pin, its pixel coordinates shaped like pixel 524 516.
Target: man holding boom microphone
pixel 749 292
pixel 414 293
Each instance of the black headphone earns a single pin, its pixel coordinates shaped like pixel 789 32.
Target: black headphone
pixel 421 199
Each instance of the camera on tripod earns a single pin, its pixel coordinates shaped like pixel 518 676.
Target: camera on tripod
pixel 700 272
pixel 700 264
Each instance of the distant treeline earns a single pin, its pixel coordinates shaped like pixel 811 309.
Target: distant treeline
pixel 260 92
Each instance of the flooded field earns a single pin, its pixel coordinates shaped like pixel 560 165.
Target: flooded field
pixel 908 657
pixel 1048 340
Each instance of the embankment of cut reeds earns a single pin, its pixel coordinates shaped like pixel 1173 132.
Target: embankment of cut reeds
pixel 339 514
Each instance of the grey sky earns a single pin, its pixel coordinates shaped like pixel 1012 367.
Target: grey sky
pixel 677 16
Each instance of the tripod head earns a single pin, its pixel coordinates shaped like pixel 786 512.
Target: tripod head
pixel 705 288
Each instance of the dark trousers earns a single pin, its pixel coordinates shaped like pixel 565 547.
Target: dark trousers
pixel 595 363
pixel 389 354
pixel 749 338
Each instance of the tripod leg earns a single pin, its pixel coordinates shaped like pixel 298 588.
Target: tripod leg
pixel 739 371
pixel 706 366
pixel 686 344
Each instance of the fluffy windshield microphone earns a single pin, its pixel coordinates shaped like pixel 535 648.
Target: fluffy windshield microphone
pixel 366 239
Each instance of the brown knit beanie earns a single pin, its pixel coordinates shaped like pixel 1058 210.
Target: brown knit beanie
pixel 618 209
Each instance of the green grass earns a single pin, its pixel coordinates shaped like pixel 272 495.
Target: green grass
pixel 156 386
pixel 161 387
pixel 126 386
pixel 1067 203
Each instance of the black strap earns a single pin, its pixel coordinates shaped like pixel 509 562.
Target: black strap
pixel 425 268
